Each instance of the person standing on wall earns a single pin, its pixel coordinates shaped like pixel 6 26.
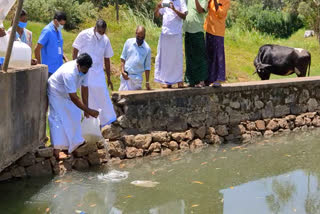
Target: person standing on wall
pixel 65 105
pixel 169 60
pixel 49 50
pixel 195 49
pixel 23 34
pixel 215 25
pixel 94 42
pixel 135 60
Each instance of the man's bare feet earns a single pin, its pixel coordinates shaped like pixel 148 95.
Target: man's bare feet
pixel 200 85
pixel 180 85
pixel 60 155
pixel 165 86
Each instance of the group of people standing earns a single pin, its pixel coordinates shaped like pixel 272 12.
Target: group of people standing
pixel 92 50
pixel 205 58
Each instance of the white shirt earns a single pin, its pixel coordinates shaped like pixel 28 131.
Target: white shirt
pixel 66 80
pixel 172 23
pixel 87 42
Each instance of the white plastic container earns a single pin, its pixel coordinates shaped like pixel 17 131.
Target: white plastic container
pixel 4 45
pixel 21 55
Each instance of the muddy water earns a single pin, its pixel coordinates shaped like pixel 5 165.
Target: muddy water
pixel 277 175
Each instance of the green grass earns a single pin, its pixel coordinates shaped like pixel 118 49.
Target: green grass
pixel 241 46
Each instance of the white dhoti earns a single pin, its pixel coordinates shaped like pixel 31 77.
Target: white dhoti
pixel 99 97
pixel 169 60
pixel 130 85
pixel 64 122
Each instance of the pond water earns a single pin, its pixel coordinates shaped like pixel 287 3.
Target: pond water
pixel 276 175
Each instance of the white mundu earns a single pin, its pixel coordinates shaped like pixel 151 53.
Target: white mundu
pixel 65 117
pixel 169 59
pixel 98 49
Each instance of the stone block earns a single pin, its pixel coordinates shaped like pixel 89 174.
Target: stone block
pixel 251 126
pixel 18 172
pixel 40 169
pixel 260 124
pixel 259 104
pixel 281 110
pixel 299 121
pixel 268 133
pixel 316 121
pixel 201 132
pixel 27 160
pixel 160 136
pixel 190 134
pixel 312 104
pixel 85 149
pixel 273 125
pixel 142 141
pixel 268 111
pixel 5 176
pixel 184 145
pixel 165 152
pixel 222 130
pixel 111 132
pixel 80 164
pixel 173 145
pixel 178 136
pixel 196 144
pixel 154 147
pixel 116 149
pixel 132 152
pixel 290 117
pixel 45 152
pixel 94 159
pixel 304 96
pixel 210 130
pixel 235 105
pixel 177 124
pixel 128 140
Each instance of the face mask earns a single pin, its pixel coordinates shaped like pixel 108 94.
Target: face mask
pixel 98 35
pixel 60 27
pixel 81 74
pixel 139 41
pixel 22 24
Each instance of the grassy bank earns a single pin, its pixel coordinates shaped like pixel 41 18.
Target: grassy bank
pixel 241 46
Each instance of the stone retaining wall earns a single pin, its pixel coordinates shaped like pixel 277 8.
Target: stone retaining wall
pixel 160 122
pixel 152 122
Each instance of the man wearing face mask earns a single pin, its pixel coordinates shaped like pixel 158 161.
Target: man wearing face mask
pixel 65 105
pixel 94 42
pixel 49 50
pixel 135 60
pixel 22 33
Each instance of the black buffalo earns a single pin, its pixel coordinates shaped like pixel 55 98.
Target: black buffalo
pixel 281 60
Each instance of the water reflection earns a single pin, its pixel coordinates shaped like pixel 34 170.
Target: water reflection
pixel 293 192
pixel 278 175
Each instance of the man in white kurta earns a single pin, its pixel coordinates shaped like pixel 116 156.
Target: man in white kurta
pixel 169 60
pixel 94 42
pixel 65 106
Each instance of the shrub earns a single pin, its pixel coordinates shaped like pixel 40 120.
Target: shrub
pixel 274 22
pixel 43 11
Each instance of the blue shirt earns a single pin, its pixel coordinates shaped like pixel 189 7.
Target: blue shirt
pixel 138 58
pixel 52 50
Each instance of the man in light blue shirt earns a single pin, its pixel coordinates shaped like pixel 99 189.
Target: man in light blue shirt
pixel 135 60
pixel 49 50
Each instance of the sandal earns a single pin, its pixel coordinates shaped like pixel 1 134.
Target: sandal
pixel 216 84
